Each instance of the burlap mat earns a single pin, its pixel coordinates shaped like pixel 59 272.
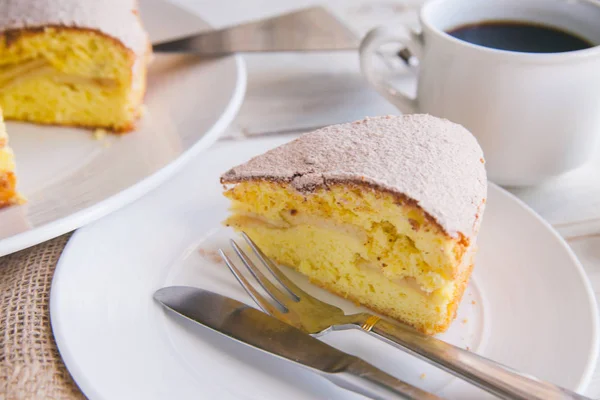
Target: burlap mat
pixel 30 365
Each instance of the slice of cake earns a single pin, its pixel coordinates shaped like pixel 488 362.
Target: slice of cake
pixel 73 62
pixel 383 211
pixel 8 179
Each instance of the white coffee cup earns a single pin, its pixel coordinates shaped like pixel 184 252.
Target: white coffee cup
pixel 536 115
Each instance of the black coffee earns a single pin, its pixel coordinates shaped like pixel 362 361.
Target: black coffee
pixel 520 36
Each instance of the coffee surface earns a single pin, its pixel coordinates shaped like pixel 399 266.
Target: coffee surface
pixel 520 37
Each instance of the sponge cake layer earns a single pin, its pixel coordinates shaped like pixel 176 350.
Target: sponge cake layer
pixel 69 62
pixel 361 244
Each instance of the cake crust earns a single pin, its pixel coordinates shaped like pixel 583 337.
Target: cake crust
pixel 433 162
pixel 8 191
pixel 106 16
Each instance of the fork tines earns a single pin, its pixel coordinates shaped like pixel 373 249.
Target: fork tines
pixel 280 298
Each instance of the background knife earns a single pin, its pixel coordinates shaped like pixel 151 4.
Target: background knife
pixel 263 332
pixel 311 29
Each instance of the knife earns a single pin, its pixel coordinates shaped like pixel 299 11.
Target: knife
pixel 265 333
pixel 311 29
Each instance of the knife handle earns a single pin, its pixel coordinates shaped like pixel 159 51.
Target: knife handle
pixel 361 377
pixel 493 377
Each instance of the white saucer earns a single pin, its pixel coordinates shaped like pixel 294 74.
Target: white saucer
pixel 529 304
pixel 71 179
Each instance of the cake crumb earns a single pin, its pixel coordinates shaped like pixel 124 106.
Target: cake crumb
pixel 468 348
pixel 422 376
pixel 100 134
pixel 464 321
pixel 473 302
pixel 211 255
pixel 414 224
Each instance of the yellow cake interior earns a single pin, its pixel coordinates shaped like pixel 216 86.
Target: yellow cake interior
pixel 69 76
pixel 8 180
pixel 373 247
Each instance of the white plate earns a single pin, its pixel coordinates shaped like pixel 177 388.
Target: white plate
pixel 529 304
pixel 71 179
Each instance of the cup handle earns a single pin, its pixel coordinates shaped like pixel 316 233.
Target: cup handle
pixel 369 49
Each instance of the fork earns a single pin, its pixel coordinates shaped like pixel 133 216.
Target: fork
pixel 303 311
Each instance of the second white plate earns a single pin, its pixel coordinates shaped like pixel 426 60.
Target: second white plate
pixel 529 304
pixel 71 179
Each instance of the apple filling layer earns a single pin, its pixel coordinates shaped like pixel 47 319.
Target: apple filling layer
pixel 357 245
pixel 13 74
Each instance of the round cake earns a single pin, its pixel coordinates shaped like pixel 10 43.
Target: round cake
pixel 69 62
pixel 72 62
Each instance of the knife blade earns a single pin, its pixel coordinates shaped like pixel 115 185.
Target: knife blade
pixel 311 29
pixel 254 328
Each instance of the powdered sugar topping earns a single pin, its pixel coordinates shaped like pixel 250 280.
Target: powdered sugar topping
pixel 116 18
pixel 433 161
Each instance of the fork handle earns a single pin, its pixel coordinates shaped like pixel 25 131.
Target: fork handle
pixel 361 377
pixel 489 375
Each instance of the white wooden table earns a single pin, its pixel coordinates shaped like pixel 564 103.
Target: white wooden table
pixel 293 93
